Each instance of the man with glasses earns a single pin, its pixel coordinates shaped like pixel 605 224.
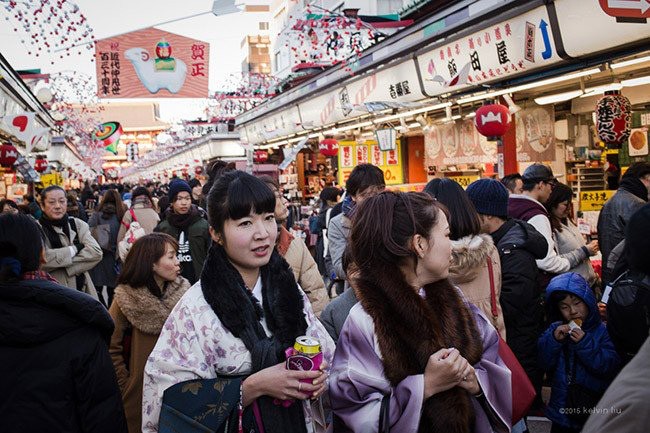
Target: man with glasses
pixel 529 206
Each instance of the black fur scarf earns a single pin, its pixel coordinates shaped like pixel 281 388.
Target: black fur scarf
pixel 410 329
pixel 239 312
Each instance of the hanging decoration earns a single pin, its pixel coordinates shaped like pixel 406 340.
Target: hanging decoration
pixel 8 155
pixel 238 93
pixel 109 134
pixel 41 164
pixel 324 38
pixel 260 156
pixel 329 147
pixel 613 119
pixel 492 120
pixel 46 25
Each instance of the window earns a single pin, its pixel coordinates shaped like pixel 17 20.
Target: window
pixel 264 26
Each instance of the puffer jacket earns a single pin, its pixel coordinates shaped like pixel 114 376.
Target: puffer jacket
pixel 597 359
pixel 470 272
pixel 611 224
pixel 304 267
pixel 57 373
pixel 519 245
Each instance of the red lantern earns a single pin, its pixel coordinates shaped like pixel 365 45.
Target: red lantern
pixel 329 147
pixel 492 121
pixel 613 119
pixel 40 165
pixel 260 156
pixel 8 155
pixel 198 170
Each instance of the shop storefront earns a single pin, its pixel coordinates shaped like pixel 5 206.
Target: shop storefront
pixel 427 82
pixel 24 135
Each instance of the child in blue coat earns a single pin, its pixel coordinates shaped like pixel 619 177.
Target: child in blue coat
pixel 575 349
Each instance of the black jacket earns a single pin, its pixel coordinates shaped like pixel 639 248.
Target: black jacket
pixel 519 245
pixel 57 375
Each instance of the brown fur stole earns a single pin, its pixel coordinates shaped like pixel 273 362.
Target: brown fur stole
pixel 146 312
pixel 410 329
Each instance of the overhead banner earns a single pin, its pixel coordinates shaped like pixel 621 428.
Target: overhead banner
pixel 151 63
pixel 517 45
pixel 536 134
pixel 352 154
pixel 457 143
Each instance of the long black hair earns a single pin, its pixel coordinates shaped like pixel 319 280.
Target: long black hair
pixel 463 218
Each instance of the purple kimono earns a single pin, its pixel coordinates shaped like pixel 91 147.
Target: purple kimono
pixel 357 382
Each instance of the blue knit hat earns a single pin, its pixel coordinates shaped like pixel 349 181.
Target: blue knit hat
pixel 489 196
pixel 176 186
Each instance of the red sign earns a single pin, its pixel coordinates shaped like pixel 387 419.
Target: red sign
pixel 151 63
pixel 626 8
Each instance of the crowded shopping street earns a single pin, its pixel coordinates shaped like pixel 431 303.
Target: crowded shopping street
pixel 357 216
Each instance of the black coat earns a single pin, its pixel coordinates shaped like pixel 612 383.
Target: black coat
pixel 57 375
pixel 519 245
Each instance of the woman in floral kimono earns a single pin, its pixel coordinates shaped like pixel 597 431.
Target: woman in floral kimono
pixel 240 317
pixel 412 337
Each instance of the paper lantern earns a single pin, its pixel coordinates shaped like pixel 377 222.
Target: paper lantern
pixel 8 155
pixel 198 170
pixel 329 147
pixel 492 120
pixel 260 156
pixel 613 119
pixel 40 165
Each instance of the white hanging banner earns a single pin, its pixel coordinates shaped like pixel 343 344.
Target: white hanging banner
pixel 290 154
pixel 386 138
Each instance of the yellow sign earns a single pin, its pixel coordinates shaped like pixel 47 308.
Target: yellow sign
pixel 51 179
pixel 464 181
pixel 594 200
pixel 352 154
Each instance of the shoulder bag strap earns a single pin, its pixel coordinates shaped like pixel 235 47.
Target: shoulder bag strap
pixel 384 414
pixel 134 218
pixel 493 295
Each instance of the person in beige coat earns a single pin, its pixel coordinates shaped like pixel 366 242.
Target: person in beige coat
pixel 144 210
pixel 149 287
pixel 474 257
pixel 470 271
pixel 70 249
pixel 295 252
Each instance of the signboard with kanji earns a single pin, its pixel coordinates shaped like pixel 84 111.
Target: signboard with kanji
pixel 352 154
pixel 515 46
pixel 464 181
pixel 151 63
pixel 594 200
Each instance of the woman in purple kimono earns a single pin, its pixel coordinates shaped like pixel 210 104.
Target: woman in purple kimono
pixel 412 336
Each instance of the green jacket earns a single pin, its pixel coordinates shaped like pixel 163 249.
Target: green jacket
pixel 199 242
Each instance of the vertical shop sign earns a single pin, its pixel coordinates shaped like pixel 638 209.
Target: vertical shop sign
pixel 362 155
pixel 346 156
pixel 377 156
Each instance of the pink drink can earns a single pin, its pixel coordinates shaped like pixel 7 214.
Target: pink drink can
pixel 305 355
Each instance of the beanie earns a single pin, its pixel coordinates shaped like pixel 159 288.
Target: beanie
pixel 489 196
pixel 176 186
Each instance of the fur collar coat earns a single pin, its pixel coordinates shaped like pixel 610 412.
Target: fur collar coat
pixel 146 312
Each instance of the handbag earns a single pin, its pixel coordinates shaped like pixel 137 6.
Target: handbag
pixel 523 391
pixel 133 232
pixel 580 400
pixel 208 405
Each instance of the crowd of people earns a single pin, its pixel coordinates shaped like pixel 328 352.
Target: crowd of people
pixel 169 307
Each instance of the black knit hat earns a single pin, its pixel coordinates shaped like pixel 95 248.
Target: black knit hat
pixel 176 186
pixel 489 196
